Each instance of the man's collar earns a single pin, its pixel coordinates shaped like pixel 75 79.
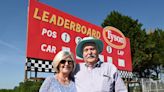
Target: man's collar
pixel 97 64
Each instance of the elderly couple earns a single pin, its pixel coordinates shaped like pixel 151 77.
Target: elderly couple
pixel 91 76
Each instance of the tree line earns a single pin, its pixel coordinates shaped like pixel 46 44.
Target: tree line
pixel 27 86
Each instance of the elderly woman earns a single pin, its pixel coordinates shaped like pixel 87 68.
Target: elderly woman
pixel 64 66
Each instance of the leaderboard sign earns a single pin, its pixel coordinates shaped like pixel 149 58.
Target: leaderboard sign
pixel 51 30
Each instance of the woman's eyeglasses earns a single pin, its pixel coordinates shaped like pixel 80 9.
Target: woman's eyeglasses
pixel 64 61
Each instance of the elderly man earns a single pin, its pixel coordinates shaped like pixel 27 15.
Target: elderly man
pixel 95 75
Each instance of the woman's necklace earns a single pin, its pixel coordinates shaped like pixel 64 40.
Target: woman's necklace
pixel 64 81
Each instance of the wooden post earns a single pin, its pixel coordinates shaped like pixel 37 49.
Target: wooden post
pixel 25 76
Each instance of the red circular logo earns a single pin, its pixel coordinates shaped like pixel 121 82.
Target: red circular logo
pixel 114 37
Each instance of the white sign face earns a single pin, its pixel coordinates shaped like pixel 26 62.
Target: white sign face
pixel 121 62
pixel 78 39
pixel 65 37
pixel 109 49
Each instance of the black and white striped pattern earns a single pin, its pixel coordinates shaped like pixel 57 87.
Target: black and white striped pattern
pixel 46 66
pixel 38 65
pixel 125 74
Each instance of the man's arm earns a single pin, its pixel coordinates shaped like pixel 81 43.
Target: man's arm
pixel 119 83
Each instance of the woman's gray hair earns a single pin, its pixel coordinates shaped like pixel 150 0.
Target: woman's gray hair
pixel 60 56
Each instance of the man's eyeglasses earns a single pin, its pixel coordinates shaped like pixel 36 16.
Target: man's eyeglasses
pixel 64 61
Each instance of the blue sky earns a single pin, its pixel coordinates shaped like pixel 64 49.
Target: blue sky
pixel 13 26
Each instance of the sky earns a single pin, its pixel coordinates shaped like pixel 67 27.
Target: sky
pixel 13 26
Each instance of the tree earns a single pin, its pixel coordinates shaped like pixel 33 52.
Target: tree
pixel 28 86
pixel 6 90
pixel 132 29
pixel 161 46
pixel 147 50
pixel 155 48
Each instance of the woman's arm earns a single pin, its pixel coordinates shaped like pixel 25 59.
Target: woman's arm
pixel 46 85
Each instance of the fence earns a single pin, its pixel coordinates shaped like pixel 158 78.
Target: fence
pixel 146 85
pixel 150 85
